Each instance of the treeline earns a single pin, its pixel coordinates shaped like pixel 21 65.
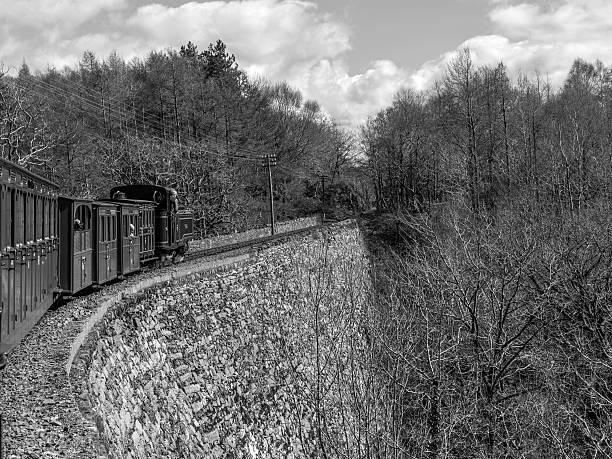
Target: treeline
pixel 492 318
pixel 478 135
pixel 184 118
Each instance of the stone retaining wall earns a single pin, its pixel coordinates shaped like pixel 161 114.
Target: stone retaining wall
pixel 225 364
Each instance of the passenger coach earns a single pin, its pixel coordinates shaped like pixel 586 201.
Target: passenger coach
pixel 55 245
pixel 30 246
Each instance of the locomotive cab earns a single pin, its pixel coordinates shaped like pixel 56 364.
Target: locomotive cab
pixel 173 228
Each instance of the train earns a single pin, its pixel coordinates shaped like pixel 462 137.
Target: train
pixel 55 246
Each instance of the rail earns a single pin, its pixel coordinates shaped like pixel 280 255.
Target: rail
pixel 194 254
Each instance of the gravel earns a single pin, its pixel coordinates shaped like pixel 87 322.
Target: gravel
pixel 40 411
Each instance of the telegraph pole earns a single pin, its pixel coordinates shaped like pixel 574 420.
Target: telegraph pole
pixel 269 161
pixel 323 197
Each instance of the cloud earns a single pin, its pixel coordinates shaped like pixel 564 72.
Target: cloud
pixel 59 14
pixel 350 99
pixel 48 33
pixel 533 38
pixel 270 35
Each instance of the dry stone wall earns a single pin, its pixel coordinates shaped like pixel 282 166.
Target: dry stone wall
pixel 280 227
pixel 258 361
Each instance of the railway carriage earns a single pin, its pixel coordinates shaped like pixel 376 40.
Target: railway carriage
pixel 53 245
pixel 29 250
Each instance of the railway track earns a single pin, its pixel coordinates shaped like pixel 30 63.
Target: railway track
pixel 260 241
pixel 250 243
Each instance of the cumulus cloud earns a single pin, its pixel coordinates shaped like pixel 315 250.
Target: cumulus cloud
pixel 350 99
pixel 48 33
pixel 530 37
pixel 271 36
pixel 57 15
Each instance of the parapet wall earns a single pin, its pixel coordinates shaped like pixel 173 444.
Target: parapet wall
pixel 225 364
pixel 280 227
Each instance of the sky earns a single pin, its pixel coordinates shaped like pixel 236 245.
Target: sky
pixel 352 56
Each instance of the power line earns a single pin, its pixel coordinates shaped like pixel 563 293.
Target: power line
pixel 121 116
pixel 149 118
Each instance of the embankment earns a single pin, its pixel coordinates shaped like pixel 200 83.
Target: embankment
pixel 258 361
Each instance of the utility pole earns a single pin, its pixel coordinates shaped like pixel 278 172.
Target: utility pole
pixel 322 176
pixel 323 196
pixel 269 161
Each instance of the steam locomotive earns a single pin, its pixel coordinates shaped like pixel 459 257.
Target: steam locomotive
pixel 53 245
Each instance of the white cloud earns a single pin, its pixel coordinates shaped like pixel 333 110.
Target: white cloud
pixel 49 33
pixel 350 99
pixel 531 38
pixel 273 35
pixel 57 14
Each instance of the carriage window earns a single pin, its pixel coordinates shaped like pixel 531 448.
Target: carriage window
pixel 8 213
pixel 82 218
pixel 107 227
pixel 49 229
pixel 2 225
pixel 40 216
pixel 46 212
pixel 43 217
pixel 27 217
pixel 37 217
pixel 17 228
pixel 53 219
pixel 30 223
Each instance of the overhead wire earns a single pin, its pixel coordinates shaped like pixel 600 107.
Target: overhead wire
pixel 254 153
pixel 151 120
pixel 118 114
pixel 122 116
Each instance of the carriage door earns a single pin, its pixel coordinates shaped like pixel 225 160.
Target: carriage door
pixel 82 257
pixel 4 219
pixel 7 262
pixel 19 261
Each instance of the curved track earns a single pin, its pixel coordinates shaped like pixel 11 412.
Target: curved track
pixel 250 243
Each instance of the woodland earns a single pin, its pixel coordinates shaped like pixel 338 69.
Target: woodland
pixel 485 200
pixel 493 307
pixel 188 119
